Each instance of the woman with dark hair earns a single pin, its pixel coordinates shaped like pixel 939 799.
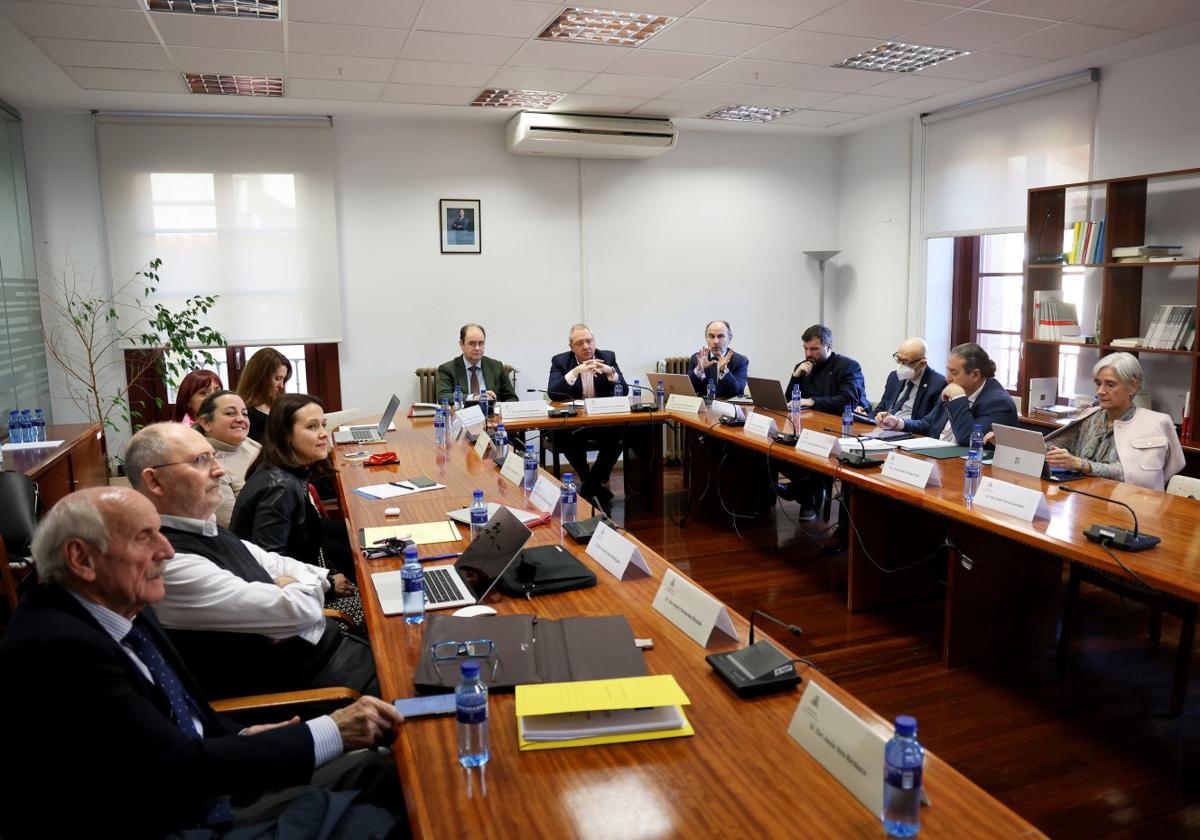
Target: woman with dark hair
pixel 191 392
pixel 223 419
pixel 262 381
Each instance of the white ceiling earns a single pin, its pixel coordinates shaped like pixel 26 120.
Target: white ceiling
pixel 392 57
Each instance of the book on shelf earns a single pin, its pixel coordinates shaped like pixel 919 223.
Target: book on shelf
pixel 1057 319
pixel 1054 410
pixel 1087 246
pixel 1172 328
pixel 1128 342
pixel 1148 253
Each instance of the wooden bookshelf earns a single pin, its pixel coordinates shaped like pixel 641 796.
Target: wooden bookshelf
pixel 1121 283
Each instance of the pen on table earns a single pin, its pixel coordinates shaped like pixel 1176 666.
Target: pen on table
pixel 441 556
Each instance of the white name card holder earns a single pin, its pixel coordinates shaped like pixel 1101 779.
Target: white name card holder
pixel 597 406
pixel 456 429
pixel 472 421
pixel 524 409
pixel 545 494
pixel 720 408
pixel 618 555
pixel 482 445
pixel 817 443
pixel 693 611
pixel 918 472
pixel 514 467
pixel 1013 499
pixel 761 425
pixel 684 404
pixel 843 743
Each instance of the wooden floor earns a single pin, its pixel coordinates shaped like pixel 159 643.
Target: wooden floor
pixel 1092 756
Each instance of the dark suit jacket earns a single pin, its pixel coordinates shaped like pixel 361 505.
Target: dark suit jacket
pixel 562 364
pixel 926 397
pixel 732 384
pixel 832 385
pixel 993 405
pixel 93 750
pixel 453 373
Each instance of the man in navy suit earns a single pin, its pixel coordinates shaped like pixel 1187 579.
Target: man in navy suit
pixel 581 373
pixel 114 735
pixel 913 389
pixel 828 381
pixel 972 395
pixel 717 361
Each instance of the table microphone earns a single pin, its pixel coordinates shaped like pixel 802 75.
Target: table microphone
pixel 791 628
pixel 858 460
pixel 566 411
pixel 759 668
pixel 1111 534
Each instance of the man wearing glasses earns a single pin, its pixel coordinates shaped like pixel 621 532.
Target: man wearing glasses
pixel 913 388
pixel 246 621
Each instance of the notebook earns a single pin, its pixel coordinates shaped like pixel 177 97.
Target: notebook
pixel 369 434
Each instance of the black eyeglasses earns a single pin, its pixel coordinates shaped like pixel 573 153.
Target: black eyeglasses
pixel 449 651
pixel 910 362
pixel 203 461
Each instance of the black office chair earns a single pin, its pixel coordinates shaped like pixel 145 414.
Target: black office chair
pixel 20 504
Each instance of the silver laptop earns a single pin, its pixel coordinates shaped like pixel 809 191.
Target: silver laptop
pixel 472 575
pixel 673 383
pixel 768 394
pixel 369 434
pixel 1019 450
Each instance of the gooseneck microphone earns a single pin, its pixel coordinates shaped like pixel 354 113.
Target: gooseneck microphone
pixel 791 628
pixel 1111 534
pixel 567 410
pixel 858 460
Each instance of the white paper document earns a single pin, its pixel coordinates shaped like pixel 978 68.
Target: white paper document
pixel 391 491
pixel 569 726
pixel 924 443
pixel 463 515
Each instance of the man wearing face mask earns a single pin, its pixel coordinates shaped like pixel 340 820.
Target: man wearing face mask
pixel 913 389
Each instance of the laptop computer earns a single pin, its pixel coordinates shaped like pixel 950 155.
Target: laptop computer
pixel 673 383
pixel 369 434
pixel 768 394
pixel 1019 450
pixel 470 578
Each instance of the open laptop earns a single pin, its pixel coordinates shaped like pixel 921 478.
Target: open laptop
pixel 472 575
pixel 1019 450
pixel 673 383
pixel 369 434
pixel 767 393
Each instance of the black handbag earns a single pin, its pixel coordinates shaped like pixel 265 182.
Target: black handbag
pixel 544 570
pixel 19 503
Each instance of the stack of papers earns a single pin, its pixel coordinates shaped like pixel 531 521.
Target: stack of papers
pixel 525 517
pixel 849 444
pixel 392 491
pixel 421 533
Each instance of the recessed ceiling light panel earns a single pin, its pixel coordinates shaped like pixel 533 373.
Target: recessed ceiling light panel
pixel 260 9
pixel 500 98
pixel 604 26
pixel 894 57
pixel 749 113
pixel 222 84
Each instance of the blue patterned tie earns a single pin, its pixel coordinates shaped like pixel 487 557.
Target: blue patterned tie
pixel 900 399
pixel 216 810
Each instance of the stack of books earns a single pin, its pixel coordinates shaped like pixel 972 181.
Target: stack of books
pixel 1173 327
pixel 1148 253
pixel 1055 319
pixel 1088 244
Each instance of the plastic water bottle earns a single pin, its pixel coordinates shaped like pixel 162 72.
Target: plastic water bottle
pixel 660 396
pixel 439 427
pixel 483 406
pixel 794 409
pixel 458 398
pixel 974 463
pixel 618 389
pixel 501 442
pixel 568 497
pixel 479 513
pixel 15 435
pixel 39 424
pixel 903 762
pixel 531 469
pixel 848 421
pixel 635 393
pixel 711 393
pixel 27 426
pixel 471 709
pixel 414 587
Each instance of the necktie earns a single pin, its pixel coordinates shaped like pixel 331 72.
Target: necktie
pixel 903 398
pixel 474 383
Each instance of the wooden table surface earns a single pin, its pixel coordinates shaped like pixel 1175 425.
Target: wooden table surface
pixel 741 775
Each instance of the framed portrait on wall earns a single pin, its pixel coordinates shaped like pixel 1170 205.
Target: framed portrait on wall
pixel 458 219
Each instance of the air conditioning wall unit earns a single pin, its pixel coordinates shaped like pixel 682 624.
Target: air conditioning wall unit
pixel 589 135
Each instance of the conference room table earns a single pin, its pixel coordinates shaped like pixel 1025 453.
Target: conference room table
pixel 740 775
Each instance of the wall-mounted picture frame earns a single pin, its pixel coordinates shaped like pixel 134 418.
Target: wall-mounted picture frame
pixel 458 220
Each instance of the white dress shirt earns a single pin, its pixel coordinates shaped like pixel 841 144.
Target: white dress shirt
pixel 467 370
pixel 948 429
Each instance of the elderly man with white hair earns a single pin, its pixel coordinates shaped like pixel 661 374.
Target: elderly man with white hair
pixel 913 389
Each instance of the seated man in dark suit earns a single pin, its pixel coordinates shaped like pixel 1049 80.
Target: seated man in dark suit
pixel 716 360
pixel 474 372
pixel 584 372
pixel 828 382
pixel 115 738
pixel 972 395
pixel 246 620
pixel 913 389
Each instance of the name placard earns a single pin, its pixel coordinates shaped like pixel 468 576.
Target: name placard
pixel 918 472
pixel 545 494
pixel 524 409
pixel 514 467
pixel 457 429
pixel 482 445
pixel 843 743
pixel 761 425
pixel 693 611
pixel 606 405
pixel 684 403
pixel 1013 499
pixel 618 555
pixel 470 417
pixel 817 443
pixel 720 408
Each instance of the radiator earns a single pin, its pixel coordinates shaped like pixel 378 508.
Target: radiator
pixel 427 381
pixel 673 437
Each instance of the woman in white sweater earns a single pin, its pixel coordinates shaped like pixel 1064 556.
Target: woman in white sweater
pixel 224 420
pixel 1117 439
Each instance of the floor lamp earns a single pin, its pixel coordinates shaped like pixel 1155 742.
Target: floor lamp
pixel 822 257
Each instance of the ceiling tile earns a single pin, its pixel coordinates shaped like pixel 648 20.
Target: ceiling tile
pixel 430 94
pixel 728 94
pixel 91 23
pixel 981 66
pixel 815 118
pixel 521 78
pixel 443 73
pixel 554 56
pixel 338 67
pixel 1062 40
pixel 1144 15
pixel 676 108
pixel 77 53
pixel 812 47
pixel 472 49
pixel 916 85
pixel 876 18
pixel 755 71
pixel 611 84
pixel 788 98
pixel 180 30
pixel 842 79
pixel 598 104
pixel 138 5
pixel 328 89
pixel 710 37
pixel 394 14
pixel 860 103
pixel 156 81
pixel 668 64
pixel 334 39
pixel 229 62
pixel 971 30
pixel 676 8
pixel 785 13
pixel 485 17
pixel 1053 9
